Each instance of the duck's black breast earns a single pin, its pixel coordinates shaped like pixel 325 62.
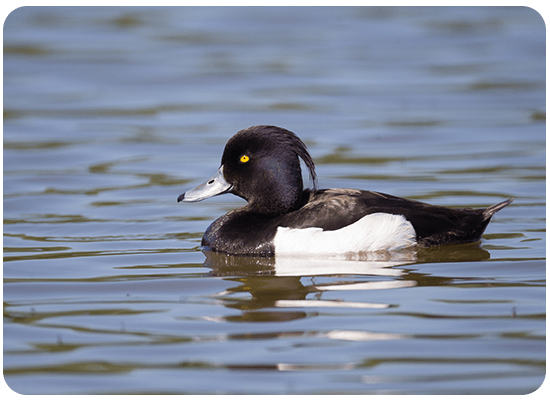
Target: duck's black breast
pixel 241 232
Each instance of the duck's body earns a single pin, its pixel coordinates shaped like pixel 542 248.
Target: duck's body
pixel 261 165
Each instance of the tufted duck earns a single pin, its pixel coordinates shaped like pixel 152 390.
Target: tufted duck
pixel 261 164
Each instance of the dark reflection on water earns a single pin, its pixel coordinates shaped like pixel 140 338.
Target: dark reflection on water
pixel 367 263
pixel 279 282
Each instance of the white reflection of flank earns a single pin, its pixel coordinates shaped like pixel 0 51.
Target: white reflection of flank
pixel 368 285
pixel 287 266
pixel 362 336
pixel 327 303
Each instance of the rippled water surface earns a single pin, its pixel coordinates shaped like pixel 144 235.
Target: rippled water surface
pixel 111 113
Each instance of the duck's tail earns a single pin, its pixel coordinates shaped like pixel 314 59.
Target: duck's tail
pixel 491 210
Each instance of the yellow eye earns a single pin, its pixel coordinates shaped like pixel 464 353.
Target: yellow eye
pixel 245 159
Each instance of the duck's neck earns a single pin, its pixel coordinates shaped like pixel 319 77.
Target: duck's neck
pixel 281 193
pixel 275 202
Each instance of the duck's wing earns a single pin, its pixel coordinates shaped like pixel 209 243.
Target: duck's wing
pixel 332 209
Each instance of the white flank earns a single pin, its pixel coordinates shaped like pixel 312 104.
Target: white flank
pixel 373 232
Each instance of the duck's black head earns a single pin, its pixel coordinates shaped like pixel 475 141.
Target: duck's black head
pixel 262 165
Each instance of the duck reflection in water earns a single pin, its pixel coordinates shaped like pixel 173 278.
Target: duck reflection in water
pixel 287 282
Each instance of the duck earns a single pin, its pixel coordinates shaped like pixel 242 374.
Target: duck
pixel 261 164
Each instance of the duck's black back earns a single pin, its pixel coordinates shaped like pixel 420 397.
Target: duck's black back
pixel 332 209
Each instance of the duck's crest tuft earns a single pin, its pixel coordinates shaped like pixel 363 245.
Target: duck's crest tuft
pixel 290 140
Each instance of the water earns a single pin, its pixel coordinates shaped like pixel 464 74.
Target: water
pixel 111 113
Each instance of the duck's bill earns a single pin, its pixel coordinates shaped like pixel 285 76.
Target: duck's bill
pixel 213 187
